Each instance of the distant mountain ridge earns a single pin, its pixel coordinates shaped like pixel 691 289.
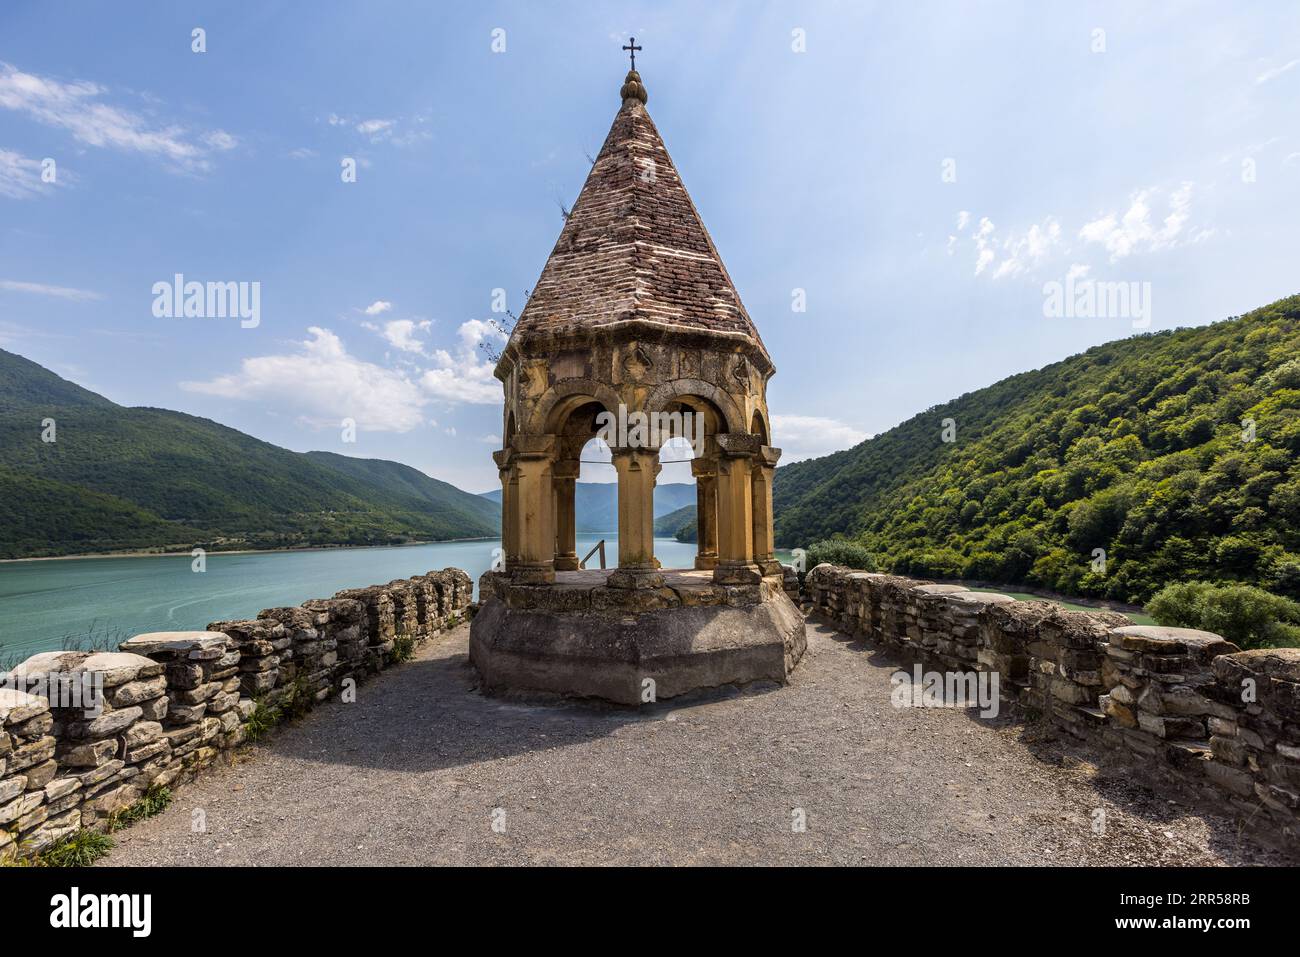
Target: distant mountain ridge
pixel 119 478
pixel 596 503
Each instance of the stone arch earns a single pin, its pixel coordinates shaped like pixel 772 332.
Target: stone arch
pixel 557 402
pixel 684 390
pixel 758 426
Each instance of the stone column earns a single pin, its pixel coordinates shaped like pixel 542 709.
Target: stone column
pixel 764 469
pixel 735 510
pixel 533 510
pixel 636 525
pixel 706 512
pixel 565 481
pixel 509 486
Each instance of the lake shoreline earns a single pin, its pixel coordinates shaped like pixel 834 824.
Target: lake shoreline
pixel 48 605
pixel 187 553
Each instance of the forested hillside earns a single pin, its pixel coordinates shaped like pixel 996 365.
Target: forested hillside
pixel 1177 454
pixel 138 478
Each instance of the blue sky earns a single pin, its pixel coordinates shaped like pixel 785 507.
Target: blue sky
pixel 920 171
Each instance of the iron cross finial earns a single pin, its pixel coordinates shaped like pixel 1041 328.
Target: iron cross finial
pixel 632 48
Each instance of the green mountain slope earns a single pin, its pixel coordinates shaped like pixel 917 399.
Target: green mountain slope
pixel 679 524
pixel 402 481
pixel 127 478
pixel 1135 447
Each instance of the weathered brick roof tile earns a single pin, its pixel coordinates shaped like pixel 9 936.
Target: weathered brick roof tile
pixel 634 246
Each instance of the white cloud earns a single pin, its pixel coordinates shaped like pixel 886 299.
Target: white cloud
pixel 79 108
pixel 1275 72
pixel 1027 250
pixel 220 140
pixel 399 131
pixel 325 385
pixel 808 436
pixel 378 306
pixel 1134 232
pixel 41 289
pixel 465 376
pixel 20 176
pixel 1019 252
pixel 983 245
pixel 401 333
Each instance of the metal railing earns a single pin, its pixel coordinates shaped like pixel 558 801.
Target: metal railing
pixel 598 547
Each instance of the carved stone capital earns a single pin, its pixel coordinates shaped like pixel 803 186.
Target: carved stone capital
pixel 704 468
pixel 566 469
pixel 536 446
pixel 738 445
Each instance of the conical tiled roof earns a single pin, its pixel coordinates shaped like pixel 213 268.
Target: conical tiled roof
pixel 634 247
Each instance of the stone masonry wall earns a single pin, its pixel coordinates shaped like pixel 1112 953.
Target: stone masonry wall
pixel 1188 706
pixel 173 702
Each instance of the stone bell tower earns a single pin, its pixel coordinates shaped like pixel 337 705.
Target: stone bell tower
pixel 634 320
pixel 635 310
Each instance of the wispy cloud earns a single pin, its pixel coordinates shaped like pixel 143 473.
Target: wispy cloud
pixel 1133 231
pixel 464 376
pixel 1274 72
pixel 809 436
pixel 1122 232
pixel 20 176
pixel 81 108
pixel 41 289
pixel 400 131
pixel 324 384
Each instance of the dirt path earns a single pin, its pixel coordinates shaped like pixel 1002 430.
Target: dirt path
pixel 413 772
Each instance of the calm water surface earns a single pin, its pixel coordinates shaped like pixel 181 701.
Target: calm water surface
pixel 45 603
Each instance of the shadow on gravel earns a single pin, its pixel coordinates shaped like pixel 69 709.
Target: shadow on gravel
pixel 1125 784
pixel 1121 783
pixel 428 715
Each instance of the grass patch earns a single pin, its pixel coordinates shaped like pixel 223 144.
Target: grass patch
pixel 299 700
pixel 265 716
pixel 296 700
pixel 154 801
pixel 87 845
pixel 81 849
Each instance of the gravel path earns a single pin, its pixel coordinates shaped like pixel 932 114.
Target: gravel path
pixel 415 770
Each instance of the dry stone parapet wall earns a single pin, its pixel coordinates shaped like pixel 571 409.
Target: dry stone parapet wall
pixel 1188 706
pixel 169 704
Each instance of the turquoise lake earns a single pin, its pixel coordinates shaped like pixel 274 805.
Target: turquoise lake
pixel 45 604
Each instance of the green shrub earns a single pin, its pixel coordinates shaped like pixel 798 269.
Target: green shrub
pixel 1247 616
pixel 841 551
pixel 403 649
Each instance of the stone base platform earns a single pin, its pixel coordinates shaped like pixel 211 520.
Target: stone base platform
pixel 580 638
